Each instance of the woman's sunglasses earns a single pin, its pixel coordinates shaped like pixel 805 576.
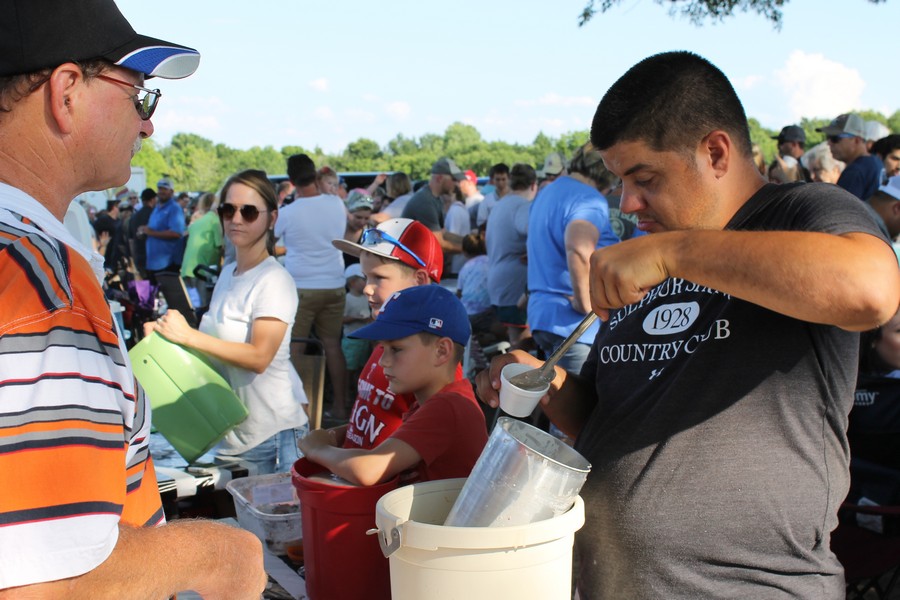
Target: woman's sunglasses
pixel 249 213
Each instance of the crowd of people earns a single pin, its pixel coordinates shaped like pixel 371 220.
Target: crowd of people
pixel 713 399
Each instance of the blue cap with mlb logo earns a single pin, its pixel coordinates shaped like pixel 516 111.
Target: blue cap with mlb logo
pixel 422 309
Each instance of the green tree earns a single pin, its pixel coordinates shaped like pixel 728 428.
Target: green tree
pixel 570 142
pixel 153 162
pixel 197 163
pixel 401 145
pixel 893 122
pixel 363 155
pixel 762 137
pixel 697 11
pixel 186 140
pixel 461 139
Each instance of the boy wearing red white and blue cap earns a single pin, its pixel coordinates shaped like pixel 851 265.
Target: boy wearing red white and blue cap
pixel 423 331
pixel 398 254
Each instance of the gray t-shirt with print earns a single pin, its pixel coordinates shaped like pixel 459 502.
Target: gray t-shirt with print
pixel 718 438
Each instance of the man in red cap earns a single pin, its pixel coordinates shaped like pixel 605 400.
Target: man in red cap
pixel 472 195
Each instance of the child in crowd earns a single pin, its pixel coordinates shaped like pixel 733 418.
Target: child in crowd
pixel 398 254
pixel 422 331
pixel 356 314
pixel 472 284
pixel 327 181
pixel 359 210
pixel 471 288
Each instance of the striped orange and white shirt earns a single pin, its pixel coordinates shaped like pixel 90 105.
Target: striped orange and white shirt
pixel 74 425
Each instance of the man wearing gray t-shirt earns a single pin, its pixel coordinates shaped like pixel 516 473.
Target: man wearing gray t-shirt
pixel 713 405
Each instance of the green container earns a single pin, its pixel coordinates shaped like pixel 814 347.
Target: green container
pixel 193 406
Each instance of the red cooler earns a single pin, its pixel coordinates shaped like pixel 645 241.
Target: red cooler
pixel 341 561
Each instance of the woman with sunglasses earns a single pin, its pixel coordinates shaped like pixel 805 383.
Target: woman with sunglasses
pixel 247 329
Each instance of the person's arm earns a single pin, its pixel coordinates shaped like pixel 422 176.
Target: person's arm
pixel 568 402
pixel 580 241
pixel 266 334
pixel 379 179
pixel 850 281
pixel 362 467
pixel 340 433
pixel 215 560
pixel 163 235
pixel 448 245
pixel 379 217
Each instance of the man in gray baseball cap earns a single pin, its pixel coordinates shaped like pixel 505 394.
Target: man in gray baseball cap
pixel 846 136
pixel 427 206
pixel 81 511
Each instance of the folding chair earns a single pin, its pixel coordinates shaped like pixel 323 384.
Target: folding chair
pixel 867 539
pixel 311 368
pixel 871 560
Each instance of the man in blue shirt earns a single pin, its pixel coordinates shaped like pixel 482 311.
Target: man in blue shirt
pixel 568 220
pixel 847 139
pixel 164 231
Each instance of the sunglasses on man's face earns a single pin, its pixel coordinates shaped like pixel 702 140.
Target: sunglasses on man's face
pixel 249 213
pixel 834 139
pixel 144 105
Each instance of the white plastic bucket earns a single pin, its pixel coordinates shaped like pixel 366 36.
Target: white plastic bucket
pixel 429 560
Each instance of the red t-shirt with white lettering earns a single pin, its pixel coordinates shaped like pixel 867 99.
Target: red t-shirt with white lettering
pixel 377 413
pixel 448 431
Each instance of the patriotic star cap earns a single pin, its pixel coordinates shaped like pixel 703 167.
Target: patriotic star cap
pixel 405 240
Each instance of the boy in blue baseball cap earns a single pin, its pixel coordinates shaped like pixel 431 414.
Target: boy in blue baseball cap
pixel 423 331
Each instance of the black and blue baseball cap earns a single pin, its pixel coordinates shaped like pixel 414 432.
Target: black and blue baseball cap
pixel 43 34
pixel 422 309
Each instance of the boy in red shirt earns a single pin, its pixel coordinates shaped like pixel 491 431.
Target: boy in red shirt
pixel 422 332
pixel 398 254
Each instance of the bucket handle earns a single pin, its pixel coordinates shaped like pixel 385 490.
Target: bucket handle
pixel 387 547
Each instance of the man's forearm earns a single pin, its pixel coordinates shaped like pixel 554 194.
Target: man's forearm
pixel 167 234
pixel 571 403
pixel 851 281
pixel 158 562
pixel 579 271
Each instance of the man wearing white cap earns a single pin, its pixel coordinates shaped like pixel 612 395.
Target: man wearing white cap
pixel 846 136
pixel 80 505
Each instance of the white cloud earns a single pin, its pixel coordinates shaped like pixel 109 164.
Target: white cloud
pixel 551 124
pixel 175 121
pixel 323 112
pixel 370 97
pixel 747 83
pixel 554 99
pixel 319 85
pixel 399 110
pixel 201 115
pixel 819 87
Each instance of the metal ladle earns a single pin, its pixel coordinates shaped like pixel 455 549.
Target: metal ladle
pixel 535 379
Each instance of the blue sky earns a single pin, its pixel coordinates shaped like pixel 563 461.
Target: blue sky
pixel 282 72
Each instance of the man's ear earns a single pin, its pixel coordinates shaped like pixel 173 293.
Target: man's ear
pixel 422 277
pixel 718 148
pixel 63 89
